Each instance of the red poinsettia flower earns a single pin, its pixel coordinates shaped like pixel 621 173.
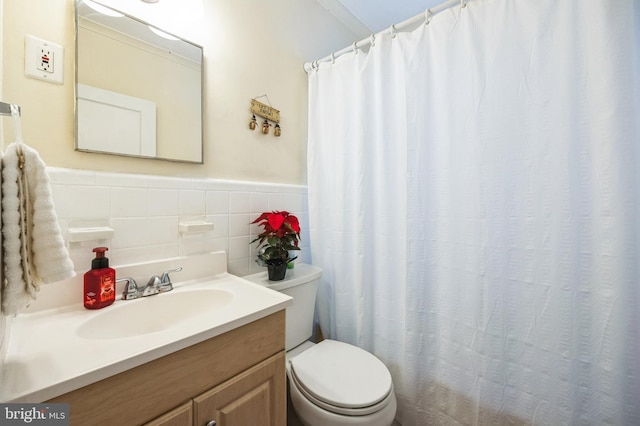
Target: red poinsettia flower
pixel 281 231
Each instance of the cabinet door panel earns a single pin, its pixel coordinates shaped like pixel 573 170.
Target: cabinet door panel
pixel 180 416
pixel 254 397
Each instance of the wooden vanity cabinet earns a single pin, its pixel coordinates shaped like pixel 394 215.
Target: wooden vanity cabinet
pixel 250 398
pixel 237 378
pixel 179 416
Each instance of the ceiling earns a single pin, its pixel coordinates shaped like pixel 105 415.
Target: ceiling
pixel 364 17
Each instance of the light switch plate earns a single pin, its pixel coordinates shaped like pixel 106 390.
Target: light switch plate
pixel 43 60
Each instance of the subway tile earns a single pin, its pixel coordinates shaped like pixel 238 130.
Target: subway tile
pixel 163 230
pixel 217 185
pixel 292 203
pixel 127 256
pixel 238 247
pixel 137 232
pixel 164 202
pixel 129 202
pixel 220 226
pixel 192 202
pixel 59 194
pixel 192 245
pixel 238 267
pixel 239 202
pixel 70 177
pixel 259 203
pixel 239 186
pixel 122 179
pixel 193 218
pixel 172 182
pixel 254 268
pixel 217 244
pixel 217 202
pixel 82 259
pixel 239 225
pixel 130 232
pixel 253 249
pixel 303 218
pixel 87 202
pixel 145 212
pixel 276 202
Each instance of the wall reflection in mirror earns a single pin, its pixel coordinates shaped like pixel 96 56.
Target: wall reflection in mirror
pixel 138 88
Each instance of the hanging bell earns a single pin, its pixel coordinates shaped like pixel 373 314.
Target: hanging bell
pixel 253 123
pixel 277 130
pixel 265 127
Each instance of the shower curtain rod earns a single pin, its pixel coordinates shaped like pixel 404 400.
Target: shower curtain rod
pixel 424 17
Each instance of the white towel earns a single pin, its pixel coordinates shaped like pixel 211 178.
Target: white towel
pixel 34 251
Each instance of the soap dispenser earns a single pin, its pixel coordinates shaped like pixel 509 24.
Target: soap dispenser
pixel 99 282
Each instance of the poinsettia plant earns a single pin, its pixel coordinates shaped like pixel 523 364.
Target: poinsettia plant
pixel 280 234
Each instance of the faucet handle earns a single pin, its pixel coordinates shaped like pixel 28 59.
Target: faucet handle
pixel 130 288
pixel 152 287
pixel 166 279
pixel 154 281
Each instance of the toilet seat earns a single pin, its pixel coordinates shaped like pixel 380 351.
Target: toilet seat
pixel 342 378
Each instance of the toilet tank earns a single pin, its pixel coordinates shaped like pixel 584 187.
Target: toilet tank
pixel 301 283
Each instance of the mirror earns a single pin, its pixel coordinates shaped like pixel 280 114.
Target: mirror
pixel 138 88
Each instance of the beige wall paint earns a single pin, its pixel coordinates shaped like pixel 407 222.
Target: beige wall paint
pixel 252 47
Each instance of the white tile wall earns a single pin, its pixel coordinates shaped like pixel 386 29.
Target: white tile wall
pixel 145 212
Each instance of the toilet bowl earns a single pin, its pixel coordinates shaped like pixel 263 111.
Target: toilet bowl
pixel 331 382
pixel 334 383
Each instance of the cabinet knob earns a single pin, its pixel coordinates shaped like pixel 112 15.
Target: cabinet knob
pixel 211 423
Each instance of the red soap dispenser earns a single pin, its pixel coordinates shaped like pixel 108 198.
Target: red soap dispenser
pixel 99 282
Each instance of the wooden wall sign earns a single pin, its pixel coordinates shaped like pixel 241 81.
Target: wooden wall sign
pixel 265 111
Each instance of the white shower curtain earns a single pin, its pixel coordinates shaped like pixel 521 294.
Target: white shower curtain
pixel 474 196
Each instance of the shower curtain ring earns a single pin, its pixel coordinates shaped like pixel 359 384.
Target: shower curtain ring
pixel 355 47
pixel 373 40
pixel 333 58
pixel 427 16
pixel 463 3
pixel 393 31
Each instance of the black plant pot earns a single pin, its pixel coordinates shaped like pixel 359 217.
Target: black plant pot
pixel 277 272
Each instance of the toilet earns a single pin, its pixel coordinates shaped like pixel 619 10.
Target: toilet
pixel 331 382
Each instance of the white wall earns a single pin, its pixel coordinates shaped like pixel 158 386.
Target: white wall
pixel 145 212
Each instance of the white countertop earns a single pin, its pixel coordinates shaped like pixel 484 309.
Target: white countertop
pixel 46 357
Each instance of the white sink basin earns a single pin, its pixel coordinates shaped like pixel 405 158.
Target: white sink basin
pixel 152 314
pixel 61 346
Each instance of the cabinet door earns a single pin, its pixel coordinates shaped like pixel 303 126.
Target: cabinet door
pixel 256 396
pixel 180 416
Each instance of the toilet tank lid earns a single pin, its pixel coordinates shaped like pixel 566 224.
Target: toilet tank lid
pixel 300 274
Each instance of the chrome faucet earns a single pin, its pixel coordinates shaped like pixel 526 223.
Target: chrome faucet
pixel 131 290
pixel 157 284
pixel 165 280
pixel 152 287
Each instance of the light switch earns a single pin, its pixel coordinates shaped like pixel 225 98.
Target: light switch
pixel 43 60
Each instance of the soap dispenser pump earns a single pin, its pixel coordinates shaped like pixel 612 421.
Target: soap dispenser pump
pixel 99 282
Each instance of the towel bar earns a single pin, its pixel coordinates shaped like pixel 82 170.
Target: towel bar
pixel 5 108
